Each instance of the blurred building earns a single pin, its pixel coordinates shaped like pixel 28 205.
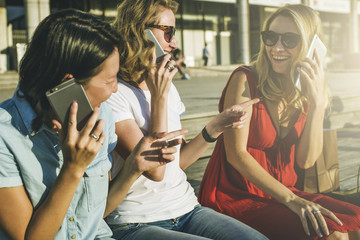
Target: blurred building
pixel 231 28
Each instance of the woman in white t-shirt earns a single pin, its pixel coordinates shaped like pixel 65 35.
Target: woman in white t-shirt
pixel 161 203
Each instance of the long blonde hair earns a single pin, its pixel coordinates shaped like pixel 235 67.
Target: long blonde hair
pixel 308 23
pixel 136 52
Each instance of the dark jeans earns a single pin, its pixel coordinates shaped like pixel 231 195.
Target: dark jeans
pixel 200 223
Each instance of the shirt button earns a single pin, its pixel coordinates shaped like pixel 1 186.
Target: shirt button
pixel 73 236
pixel 71 219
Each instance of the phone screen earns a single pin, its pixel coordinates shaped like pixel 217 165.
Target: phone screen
pixel 321 49
pixel 61 98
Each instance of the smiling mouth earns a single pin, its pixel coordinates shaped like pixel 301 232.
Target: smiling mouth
pixel 280 58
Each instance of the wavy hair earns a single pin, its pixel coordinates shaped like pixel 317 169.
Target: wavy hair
pixel 66 42
pixel 308 23
pixel 131 20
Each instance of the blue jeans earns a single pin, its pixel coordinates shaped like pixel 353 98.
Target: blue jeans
pixel 200 223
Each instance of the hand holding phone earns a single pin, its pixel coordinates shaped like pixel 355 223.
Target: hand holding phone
pixel 321 50
pixel 61 98
pixel 159 52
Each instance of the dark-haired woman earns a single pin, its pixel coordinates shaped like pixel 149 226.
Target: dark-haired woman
pixel 53 181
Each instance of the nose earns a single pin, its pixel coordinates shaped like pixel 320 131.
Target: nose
pixel 278 44
pixel 173 43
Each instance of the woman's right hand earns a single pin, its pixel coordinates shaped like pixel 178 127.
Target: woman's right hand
pixel 312 213
pixel 153 151
pixel 80 147
pixel 313 80
pixel 159 78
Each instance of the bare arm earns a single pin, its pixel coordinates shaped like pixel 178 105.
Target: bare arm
pixel 233 117
pixel 129 135
pixel 15 212
pixel 158 82
pixel 310 145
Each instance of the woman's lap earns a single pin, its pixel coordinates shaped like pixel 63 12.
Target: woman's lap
pixel 276 221
pixel 201 223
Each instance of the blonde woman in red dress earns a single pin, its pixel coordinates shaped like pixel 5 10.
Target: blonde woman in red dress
pixel 251 173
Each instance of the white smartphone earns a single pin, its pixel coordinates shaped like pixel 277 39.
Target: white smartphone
pixel 321 49
pixel 159 52
pixel 61 98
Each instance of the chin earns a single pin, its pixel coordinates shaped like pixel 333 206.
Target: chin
pixel 281 70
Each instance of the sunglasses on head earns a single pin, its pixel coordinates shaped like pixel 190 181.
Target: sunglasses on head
pixel 169 31
pixel 288 40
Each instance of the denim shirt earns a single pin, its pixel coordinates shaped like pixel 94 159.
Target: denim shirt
pixel 34 159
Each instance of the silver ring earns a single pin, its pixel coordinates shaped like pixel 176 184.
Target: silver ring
pixel 170 67
pixel 316 212
pixel 94 136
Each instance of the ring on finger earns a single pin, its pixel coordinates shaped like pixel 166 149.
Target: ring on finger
pixel 166 144
pixel 170 67
pixel 316 212
pixel 94 136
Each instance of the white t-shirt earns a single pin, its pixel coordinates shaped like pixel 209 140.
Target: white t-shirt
pixel 147 200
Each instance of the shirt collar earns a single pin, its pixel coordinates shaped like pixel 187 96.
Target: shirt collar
pixel 26 112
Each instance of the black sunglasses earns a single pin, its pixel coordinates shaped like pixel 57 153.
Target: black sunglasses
pixel 288 40
pixel 169 31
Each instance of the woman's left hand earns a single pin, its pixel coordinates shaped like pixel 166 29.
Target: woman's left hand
pixel 313 80
pixel 311 213
pixel 233 117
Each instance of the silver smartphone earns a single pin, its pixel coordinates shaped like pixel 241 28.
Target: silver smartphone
pixel 321 49
pixel 159 52
pixel 61 98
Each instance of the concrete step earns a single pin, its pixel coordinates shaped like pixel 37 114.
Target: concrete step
pixel 344 111
pixel 9 80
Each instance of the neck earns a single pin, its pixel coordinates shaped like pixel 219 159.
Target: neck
pixel 143 86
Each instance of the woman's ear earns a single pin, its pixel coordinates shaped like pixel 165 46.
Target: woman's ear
pixel 67 77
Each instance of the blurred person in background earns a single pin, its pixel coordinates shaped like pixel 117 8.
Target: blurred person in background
pixel 205 54
pixel 179 59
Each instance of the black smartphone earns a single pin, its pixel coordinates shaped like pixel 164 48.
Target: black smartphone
pixel 62 96
pixel 159 52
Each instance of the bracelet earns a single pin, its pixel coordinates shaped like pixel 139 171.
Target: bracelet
pixel 207 137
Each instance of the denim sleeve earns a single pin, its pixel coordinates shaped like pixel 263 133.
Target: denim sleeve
pixel 9 170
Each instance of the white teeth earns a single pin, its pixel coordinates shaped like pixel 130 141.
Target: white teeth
pixel 280 58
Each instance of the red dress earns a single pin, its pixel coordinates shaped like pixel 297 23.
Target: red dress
pixel 227 191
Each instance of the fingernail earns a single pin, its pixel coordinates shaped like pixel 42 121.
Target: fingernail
pixel 308 233
pixel 340 223
pixel 327 233
pixel 320 235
